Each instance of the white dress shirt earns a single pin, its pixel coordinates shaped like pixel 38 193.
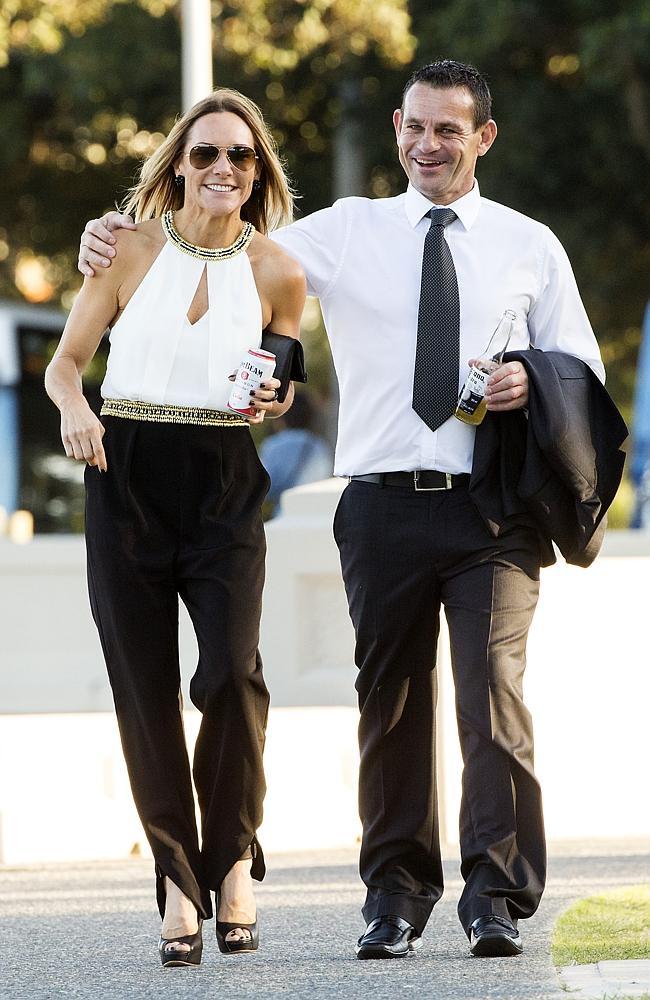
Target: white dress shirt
pixel 363 259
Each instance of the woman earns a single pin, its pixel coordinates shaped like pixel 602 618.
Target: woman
pixel 173 495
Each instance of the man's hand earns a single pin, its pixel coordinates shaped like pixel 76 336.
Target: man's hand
pixel 507 388
pixel 96 248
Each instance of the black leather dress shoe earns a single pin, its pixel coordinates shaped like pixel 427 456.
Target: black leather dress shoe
pixel 388 937
pixel 494 937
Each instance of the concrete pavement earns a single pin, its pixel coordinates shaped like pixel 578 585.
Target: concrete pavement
pixel 90 931
pixel 608 979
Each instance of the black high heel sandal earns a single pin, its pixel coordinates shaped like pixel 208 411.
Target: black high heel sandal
pixel 171 957
pixel 235 945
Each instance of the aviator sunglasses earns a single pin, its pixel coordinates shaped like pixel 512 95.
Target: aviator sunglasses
pixel 204 155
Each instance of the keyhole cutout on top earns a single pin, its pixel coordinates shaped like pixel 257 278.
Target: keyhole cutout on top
pixel 200 303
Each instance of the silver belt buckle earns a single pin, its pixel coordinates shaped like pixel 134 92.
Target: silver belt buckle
pixel 430 489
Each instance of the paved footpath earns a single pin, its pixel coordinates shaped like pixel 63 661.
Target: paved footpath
pixel 90 930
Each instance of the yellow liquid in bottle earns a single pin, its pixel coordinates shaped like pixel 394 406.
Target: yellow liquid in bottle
pixel 471 407
pixel 472 418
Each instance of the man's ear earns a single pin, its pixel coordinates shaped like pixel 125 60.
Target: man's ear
pixel 488 135
pixel 397 122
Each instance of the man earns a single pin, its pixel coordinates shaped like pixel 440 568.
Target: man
pixel 409 296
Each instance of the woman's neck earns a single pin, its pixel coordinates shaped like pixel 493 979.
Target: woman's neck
pixel 205 230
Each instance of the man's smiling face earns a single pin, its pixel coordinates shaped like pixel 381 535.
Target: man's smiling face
pixel 439 142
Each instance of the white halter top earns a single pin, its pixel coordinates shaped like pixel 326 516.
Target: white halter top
pixel 157 356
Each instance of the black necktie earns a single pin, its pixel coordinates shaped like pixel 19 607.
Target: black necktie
pixel 437 356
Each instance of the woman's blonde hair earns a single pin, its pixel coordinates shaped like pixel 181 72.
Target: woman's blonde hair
pixel 155 191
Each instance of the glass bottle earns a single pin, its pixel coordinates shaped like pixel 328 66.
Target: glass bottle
pixel 471 406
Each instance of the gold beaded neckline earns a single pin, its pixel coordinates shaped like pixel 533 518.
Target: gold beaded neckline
pixel 206 253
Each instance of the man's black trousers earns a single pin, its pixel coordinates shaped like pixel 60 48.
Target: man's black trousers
pixel 403 555
pixel 178 514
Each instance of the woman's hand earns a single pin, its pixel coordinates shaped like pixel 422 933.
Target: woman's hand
pixel 82 433
pixel 264 400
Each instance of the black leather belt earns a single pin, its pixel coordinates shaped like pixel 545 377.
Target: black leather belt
pixel 421 480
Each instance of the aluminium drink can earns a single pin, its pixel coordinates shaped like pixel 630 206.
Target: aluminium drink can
pixel 254 369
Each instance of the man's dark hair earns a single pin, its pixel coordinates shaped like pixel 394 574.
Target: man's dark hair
pixel 449 73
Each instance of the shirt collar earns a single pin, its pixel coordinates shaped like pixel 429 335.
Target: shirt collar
pixel 466 208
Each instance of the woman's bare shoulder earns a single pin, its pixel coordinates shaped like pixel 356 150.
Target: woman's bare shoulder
pixel 274 261
pixel 136 248
pixel 146 236
pixel 281 283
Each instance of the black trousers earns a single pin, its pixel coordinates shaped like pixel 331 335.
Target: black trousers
pixel 403 554
pixel 178 514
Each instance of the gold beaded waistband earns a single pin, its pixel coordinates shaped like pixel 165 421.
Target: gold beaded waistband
pixel 168 413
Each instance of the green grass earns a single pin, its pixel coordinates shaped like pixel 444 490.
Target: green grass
pixel 610 927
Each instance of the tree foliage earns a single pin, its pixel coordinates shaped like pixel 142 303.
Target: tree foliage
pixel 276 35
pixel 43 25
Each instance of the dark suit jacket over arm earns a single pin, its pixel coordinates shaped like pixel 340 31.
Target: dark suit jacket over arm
pixel 562 465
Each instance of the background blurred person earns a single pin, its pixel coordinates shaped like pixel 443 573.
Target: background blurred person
pixel 293 453
pixel 174 490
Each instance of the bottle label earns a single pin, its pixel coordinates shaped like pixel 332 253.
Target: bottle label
pixel 473 391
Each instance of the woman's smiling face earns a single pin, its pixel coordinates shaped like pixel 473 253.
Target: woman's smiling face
pixel 221 188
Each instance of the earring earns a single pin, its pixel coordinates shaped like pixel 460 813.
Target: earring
pixel 257 185
pixel 179 181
